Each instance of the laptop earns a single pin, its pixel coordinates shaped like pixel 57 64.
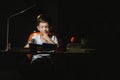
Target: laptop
pixel 45 47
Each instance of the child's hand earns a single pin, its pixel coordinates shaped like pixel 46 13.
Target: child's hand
pixel 46 36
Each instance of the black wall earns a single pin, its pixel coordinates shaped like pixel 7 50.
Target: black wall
pixel 83 19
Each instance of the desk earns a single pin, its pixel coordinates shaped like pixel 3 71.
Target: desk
pixel 66 66
pixel 58 50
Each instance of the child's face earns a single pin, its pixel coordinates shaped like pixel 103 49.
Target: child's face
pixel 43 27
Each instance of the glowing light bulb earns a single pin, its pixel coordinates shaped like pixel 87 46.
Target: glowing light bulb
pixel 72 39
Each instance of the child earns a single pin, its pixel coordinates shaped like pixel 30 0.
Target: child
pixel 44 26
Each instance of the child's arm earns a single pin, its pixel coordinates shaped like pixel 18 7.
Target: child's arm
pixel 48 39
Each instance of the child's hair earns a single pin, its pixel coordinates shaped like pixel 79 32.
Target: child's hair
pixel 43 18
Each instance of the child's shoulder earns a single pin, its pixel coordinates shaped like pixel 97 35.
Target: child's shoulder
pixel 36 36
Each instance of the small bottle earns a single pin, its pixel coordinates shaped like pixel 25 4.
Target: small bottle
pixel 83 43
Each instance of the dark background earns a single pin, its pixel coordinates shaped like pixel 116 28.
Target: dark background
pixel 70 18
pixel 98 22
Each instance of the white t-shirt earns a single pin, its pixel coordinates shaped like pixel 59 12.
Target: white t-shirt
pixel 38 41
